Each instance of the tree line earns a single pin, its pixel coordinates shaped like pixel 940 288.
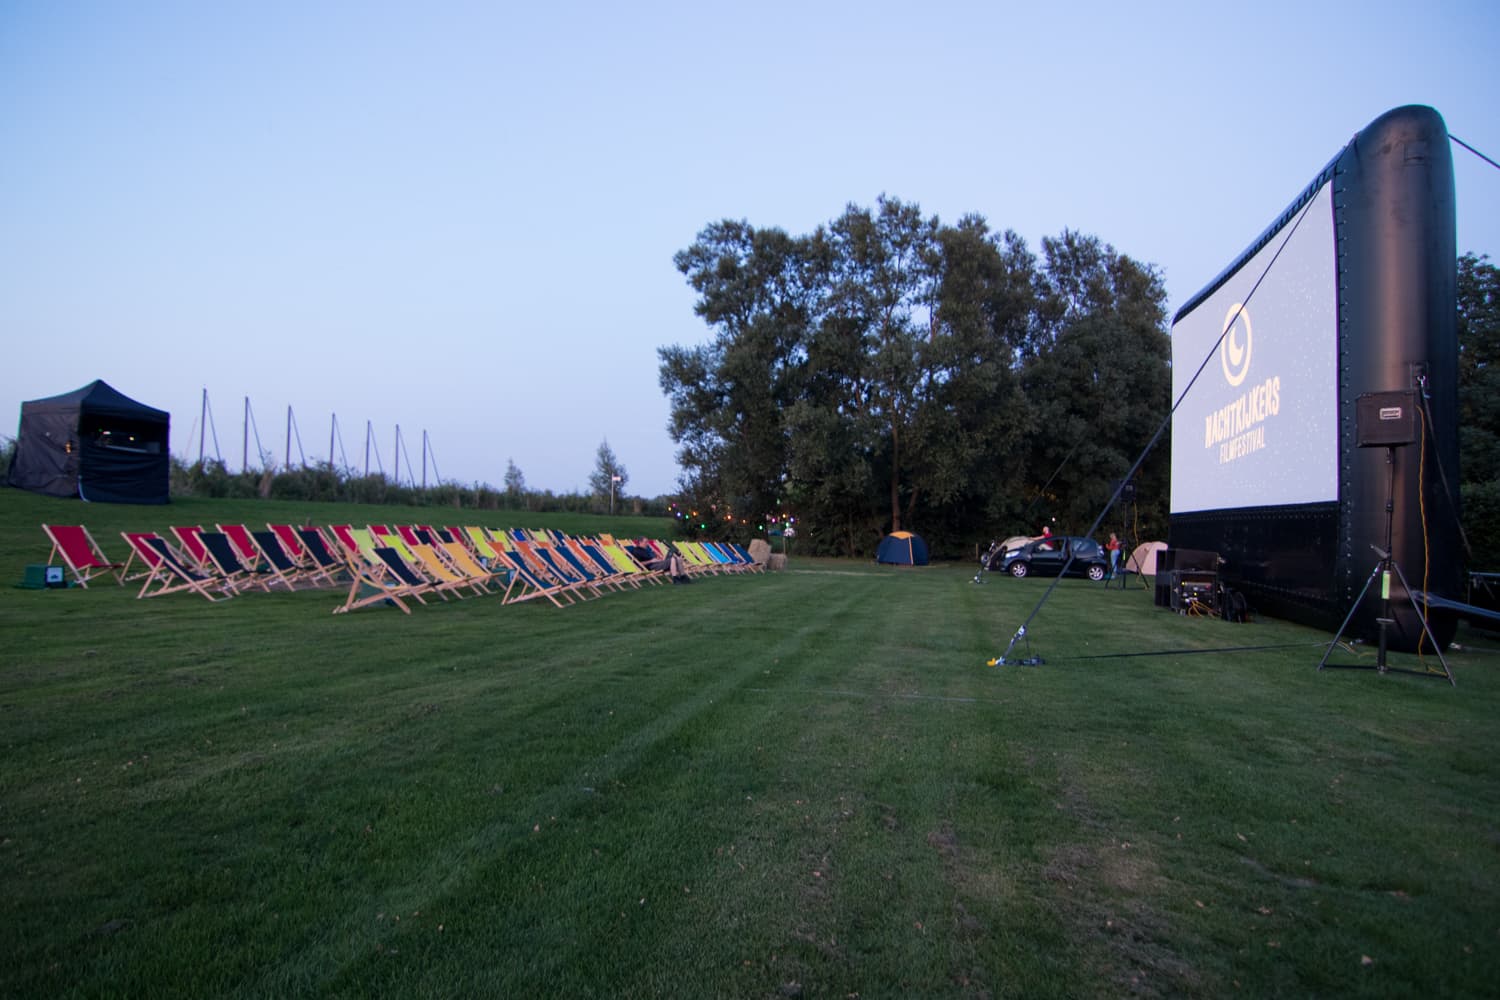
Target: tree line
pixel 1479 408
pixel 890 371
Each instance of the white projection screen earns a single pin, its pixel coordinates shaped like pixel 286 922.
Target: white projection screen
pixel 1260 425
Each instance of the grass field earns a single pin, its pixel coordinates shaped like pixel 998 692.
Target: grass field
pixel 797 784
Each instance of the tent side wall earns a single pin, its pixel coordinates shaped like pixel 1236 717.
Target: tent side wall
pixel 47 453
pixel 116 475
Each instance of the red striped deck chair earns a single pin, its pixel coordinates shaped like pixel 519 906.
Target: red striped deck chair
pixel 73 544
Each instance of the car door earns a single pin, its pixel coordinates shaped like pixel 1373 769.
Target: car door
pixel 1047 556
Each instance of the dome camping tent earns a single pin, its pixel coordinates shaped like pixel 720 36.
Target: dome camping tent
pixel 95 443
pixel 1143 559
pixel 902 548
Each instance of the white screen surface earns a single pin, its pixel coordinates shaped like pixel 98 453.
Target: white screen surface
pixel 1259 427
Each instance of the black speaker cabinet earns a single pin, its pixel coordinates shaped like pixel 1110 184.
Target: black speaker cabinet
pixel 1384 419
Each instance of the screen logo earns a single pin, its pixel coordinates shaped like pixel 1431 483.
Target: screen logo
pixel 1234 351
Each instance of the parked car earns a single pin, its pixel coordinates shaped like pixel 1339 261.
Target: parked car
pixel 1047 556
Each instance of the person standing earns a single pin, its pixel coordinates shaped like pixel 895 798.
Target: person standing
pixel 1113 548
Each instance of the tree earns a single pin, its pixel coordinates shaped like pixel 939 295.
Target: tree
pixel 1479 406
pixel 1097 379
pixel 889 371
pixel 755 291
pixel 609 477
pixel 515 482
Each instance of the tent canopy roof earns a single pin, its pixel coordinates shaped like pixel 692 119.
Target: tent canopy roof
pixel 101 399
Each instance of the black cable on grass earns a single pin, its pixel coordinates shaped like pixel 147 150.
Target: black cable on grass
pixel 1190 652
pixel 1135 467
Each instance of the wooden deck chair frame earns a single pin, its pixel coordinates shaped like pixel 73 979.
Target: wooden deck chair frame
pixel 548 569
pixel 143 552
pixel 169 574
pixel 224 559
pixel 326 562
pixel 369 585
pixel 464 562
pixel 73 544
pixel 444 578
pixel 278 563
pixel 616 553
pixel 526 585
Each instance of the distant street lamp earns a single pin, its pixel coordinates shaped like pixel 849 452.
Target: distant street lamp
pixel 612 481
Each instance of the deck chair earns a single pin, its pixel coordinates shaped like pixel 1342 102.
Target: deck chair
pixel 617 554
pixel 590 553
pixel 290 541
pixel 141 552
pixel 190 545
pixel 527 585
pixel 745 558
pixel 221 554
pixel 444 578
pixel 402 573
pixel 600 576
pixel 278 564
pixel 546 566
pixel 375 583
pixel 80 553
pixel 481 543
pixel 244 545
pixel 463 560
pixel 168 573
pixel 722 554
pixel 316 546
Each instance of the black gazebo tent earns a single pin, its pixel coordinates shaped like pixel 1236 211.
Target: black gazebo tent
pixel 95 443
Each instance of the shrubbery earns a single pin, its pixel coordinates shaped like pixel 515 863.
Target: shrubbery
pixel 324 483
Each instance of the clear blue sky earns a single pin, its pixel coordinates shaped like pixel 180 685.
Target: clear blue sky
pixel 460 217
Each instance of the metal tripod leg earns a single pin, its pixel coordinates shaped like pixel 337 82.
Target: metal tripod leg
pixel 1427 630
pixel 1350 616
pixel 1423 619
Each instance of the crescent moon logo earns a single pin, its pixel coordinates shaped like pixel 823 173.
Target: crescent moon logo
pixel 1234 352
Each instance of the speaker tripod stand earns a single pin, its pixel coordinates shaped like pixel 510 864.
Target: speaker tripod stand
pixel 1382 571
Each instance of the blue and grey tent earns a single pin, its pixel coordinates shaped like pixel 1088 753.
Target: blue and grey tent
pixel 902 548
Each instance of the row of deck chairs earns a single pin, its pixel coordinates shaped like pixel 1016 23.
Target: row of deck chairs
pixel 384 565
